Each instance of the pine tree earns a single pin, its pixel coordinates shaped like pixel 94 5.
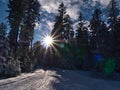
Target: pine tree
pixel 63 26
pixel 3 41
pixel 38 53
pixel 31 16
pixel 114 31
pixel 82 43
pixel 97 28
pixel 2 48
pixel 68 29
pixel 102 39
pixel 16 10
pixel 63 34
pixel 58 31
pixel 117 42
pixel 79 33
pixel 99 42
pixel 8 66
pixel 94 27
pixel 113 11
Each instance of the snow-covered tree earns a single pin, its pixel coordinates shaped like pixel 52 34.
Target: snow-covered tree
pixel 8 66
pixel 12 67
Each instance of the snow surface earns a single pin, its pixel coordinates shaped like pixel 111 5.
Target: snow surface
pixel 58 79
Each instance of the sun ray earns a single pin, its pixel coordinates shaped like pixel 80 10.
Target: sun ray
pixel 52 44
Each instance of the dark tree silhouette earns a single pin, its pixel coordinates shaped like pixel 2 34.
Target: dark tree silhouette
pixel 31 16
pixel 94 27
pixel 68 29
pixel 82 43
pixel 58 30
pixel 113 21
pixel 16 11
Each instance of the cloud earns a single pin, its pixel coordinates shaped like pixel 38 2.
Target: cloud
pixel 37 26
pixel 72 6
pixel 105 2
pixel 50 25
pixel 51 6
pixel 73 11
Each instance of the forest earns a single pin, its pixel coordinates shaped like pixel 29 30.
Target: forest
pixel 94 46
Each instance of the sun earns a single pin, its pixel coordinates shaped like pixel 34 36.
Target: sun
pixel 48 41
pixel 51 43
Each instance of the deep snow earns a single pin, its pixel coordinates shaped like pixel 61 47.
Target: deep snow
pixel 58 79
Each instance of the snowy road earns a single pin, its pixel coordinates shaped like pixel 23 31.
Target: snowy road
pixel 57 79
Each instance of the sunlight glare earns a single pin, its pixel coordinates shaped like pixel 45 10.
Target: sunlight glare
pixel 48 41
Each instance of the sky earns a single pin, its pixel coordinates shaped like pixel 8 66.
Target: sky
pixel 49 10
pixel 73 7
pixel 51 6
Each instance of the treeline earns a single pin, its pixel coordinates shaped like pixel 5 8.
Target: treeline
pixel 93 46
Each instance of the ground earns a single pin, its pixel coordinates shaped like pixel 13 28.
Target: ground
pixel 58 79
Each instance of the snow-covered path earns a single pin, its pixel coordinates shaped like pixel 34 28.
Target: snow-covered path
pixel 40 80
pixel 57 79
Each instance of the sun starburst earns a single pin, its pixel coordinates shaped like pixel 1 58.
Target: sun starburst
pixel 51 43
